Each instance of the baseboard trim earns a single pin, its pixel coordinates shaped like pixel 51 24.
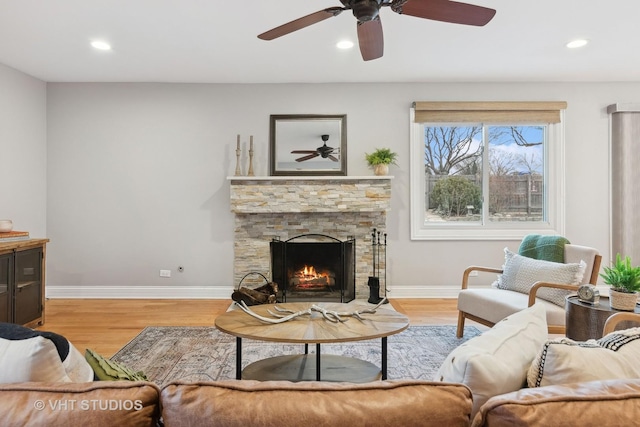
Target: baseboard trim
pixel 422 292
pixel 214 292
pixel 139 292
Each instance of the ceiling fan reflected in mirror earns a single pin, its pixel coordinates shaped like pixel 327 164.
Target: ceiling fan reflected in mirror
pixel 324 151
pixel 369 26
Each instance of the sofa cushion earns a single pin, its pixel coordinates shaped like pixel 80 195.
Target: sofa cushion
pixel 313 403
pixel 108 370
pixel 31 355
pixel 563 361
pixel 521 273
pixel 597 403
pixel 92 404
pixel 496 362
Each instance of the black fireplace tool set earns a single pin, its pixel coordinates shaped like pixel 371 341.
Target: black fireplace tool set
pixel 378 251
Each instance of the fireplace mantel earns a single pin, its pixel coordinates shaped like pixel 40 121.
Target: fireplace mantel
pixel 309 178
pixel 310 194
pixel 283 207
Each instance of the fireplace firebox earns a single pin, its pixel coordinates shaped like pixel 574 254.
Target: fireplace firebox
pixel 314 267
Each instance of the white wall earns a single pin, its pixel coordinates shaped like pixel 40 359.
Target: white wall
pixel 137 177
pixel 23 153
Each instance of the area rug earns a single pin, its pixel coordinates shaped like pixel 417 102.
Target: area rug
pixel 169 353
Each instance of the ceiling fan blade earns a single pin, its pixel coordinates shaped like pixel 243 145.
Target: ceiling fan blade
pixel 371 39
pixel 303 151
pixel 335 159
pixel 310 156
pixel 300 23
pixel 445 11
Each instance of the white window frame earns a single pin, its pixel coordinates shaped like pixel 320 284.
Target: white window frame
pixel 554 184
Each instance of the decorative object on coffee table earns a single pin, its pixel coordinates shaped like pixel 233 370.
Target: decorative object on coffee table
pixel 330 315
pixel 624 280
pixel 380 160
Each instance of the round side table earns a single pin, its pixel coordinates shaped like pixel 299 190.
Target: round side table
pixel 586 321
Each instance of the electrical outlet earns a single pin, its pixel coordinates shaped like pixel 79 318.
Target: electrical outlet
pixel 473 273
pixel 165 273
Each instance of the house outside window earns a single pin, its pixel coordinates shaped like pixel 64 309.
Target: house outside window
pixel 486 170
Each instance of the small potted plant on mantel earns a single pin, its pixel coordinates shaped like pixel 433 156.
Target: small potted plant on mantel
pixel 624 280
pixel 380 160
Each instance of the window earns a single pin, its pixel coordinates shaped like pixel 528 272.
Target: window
pixel 486 170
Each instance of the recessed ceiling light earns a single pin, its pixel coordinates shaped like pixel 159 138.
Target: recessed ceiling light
pixel 577 43
pixel 344 44
pixel 101 45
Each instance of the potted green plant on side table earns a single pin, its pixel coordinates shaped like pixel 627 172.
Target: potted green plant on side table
pixel 624 280
pixel 380 160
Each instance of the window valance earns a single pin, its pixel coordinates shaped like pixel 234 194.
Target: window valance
pixel 488 112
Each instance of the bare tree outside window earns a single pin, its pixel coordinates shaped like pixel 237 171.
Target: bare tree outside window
pixel 448 150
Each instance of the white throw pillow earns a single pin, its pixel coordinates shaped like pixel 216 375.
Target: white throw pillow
pixel 30 355
pixel 33 359
pixel 76 366
pixel 564 361
pixel 497 361
pixel 521 273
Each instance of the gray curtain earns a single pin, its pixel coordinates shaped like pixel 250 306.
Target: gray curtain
pixel 625 181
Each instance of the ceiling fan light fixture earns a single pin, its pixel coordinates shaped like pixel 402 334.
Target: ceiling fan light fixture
pixel 100 45
pixel 574 44
pixel 366 10
pixel 344 44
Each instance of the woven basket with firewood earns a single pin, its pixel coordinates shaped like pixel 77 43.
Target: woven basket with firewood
pixel 265 293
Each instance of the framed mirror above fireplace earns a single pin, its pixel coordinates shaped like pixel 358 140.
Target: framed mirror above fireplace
pixel 308 144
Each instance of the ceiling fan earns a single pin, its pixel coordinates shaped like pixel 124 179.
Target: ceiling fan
pixel 370 27
pixel 325 152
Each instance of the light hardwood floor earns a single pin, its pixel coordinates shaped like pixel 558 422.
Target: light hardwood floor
pixel 106 325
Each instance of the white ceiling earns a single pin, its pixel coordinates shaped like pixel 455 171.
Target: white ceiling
pixel 215 41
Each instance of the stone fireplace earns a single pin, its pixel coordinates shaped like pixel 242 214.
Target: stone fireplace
pixel 281 208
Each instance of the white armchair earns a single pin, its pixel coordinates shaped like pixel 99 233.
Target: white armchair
pixel 490 305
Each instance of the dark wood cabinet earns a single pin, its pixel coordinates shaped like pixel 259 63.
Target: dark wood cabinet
pixel 6 279
pixel 22 281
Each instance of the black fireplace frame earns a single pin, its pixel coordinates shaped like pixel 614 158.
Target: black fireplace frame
pixel 279 256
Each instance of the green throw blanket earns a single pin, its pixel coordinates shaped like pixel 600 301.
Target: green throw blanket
pixel 548 248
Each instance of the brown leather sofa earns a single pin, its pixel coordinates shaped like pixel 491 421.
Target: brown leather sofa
pixel 283 404
pixel 286 404
pixel 236 403
pixel 100 403
pixel 597 403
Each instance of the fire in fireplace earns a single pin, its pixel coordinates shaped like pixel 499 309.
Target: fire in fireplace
pixel 314 267
pixel 309 278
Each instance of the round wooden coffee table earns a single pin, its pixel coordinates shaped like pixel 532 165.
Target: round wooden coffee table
pixel 312 329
